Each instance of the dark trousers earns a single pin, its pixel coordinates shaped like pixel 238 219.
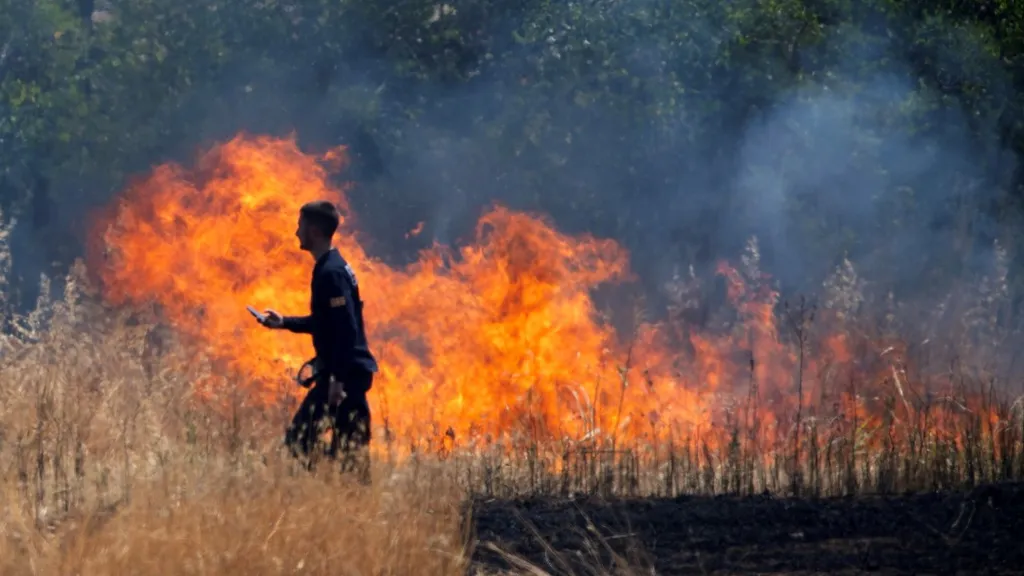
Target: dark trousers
pixel 349 423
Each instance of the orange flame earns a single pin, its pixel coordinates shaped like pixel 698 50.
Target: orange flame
pixel 496 339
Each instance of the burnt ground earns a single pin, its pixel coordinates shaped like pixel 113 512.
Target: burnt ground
pixel 976 532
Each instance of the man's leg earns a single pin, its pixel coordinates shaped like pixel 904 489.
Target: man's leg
pixel 302 434
pixel 352 429
pixel 351 440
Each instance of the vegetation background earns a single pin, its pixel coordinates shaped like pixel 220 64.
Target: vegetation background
pixel 885 132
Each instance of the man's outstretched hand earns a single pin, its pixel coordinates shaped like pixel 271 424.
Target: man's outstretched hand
pixel 272 319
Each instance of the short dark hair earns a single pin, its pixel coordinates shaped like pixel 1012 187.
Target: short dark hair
pixel 321 214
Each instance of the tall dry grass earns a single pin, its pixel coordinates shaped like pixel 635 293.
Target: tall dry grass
pixel 109 466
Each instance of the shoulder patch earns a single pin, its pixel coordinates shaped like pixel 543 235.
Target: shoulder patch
pixel 337 302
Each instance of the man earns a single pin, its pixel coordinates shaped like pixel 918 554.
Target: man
pixel 344 366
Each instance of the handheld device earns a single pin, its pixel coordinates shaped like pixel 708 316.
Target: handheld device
pixel 256 313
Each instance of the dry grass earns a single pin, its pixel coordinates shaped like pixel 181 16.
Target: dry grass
pixel 108 466
pixel 212 519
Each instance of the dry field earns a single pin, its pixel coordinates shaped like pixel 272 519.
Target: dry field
pixel 109 465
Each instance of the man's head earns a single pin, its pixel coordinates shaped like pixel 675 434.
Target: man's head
pixel 318 221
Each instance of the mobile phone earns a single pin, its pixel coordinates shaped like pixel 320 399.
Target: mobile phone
pixel 256 313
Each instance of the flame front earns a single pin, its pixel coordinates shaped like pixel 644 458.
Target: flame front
pixel 495 340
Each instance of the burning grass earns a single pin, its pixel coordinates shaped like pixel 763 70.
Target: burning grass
pixel 141 413
pixel 111 464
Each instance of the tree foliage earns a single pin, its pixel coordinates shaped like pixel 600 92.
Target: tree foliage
pixel 638 120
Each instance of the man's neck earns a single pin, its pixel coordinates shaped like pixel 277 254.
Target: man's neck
pixel 319 251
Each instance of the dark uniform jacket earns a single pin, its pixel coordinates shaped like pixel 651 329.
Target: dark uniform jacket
pixel 336 319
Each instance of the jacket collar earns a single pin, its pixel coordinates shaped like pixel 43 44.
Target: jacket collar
pixel 324 258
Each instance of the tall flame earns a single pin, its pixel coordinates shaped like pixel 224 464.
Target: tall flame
pixel 495 339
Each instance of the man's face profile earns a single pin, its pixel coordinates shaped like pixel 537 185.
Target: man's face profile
pixel 304 233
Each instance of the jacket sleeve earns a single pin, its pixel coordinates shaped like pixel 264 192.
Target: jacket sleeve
pixel 338 326
pixel 298 324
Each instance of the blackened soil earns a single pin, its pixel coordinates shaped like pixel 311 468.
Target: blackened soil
pixel 976 532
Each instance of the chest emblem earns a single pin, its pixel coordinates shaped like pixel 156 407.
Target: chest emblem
pixel 337 302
